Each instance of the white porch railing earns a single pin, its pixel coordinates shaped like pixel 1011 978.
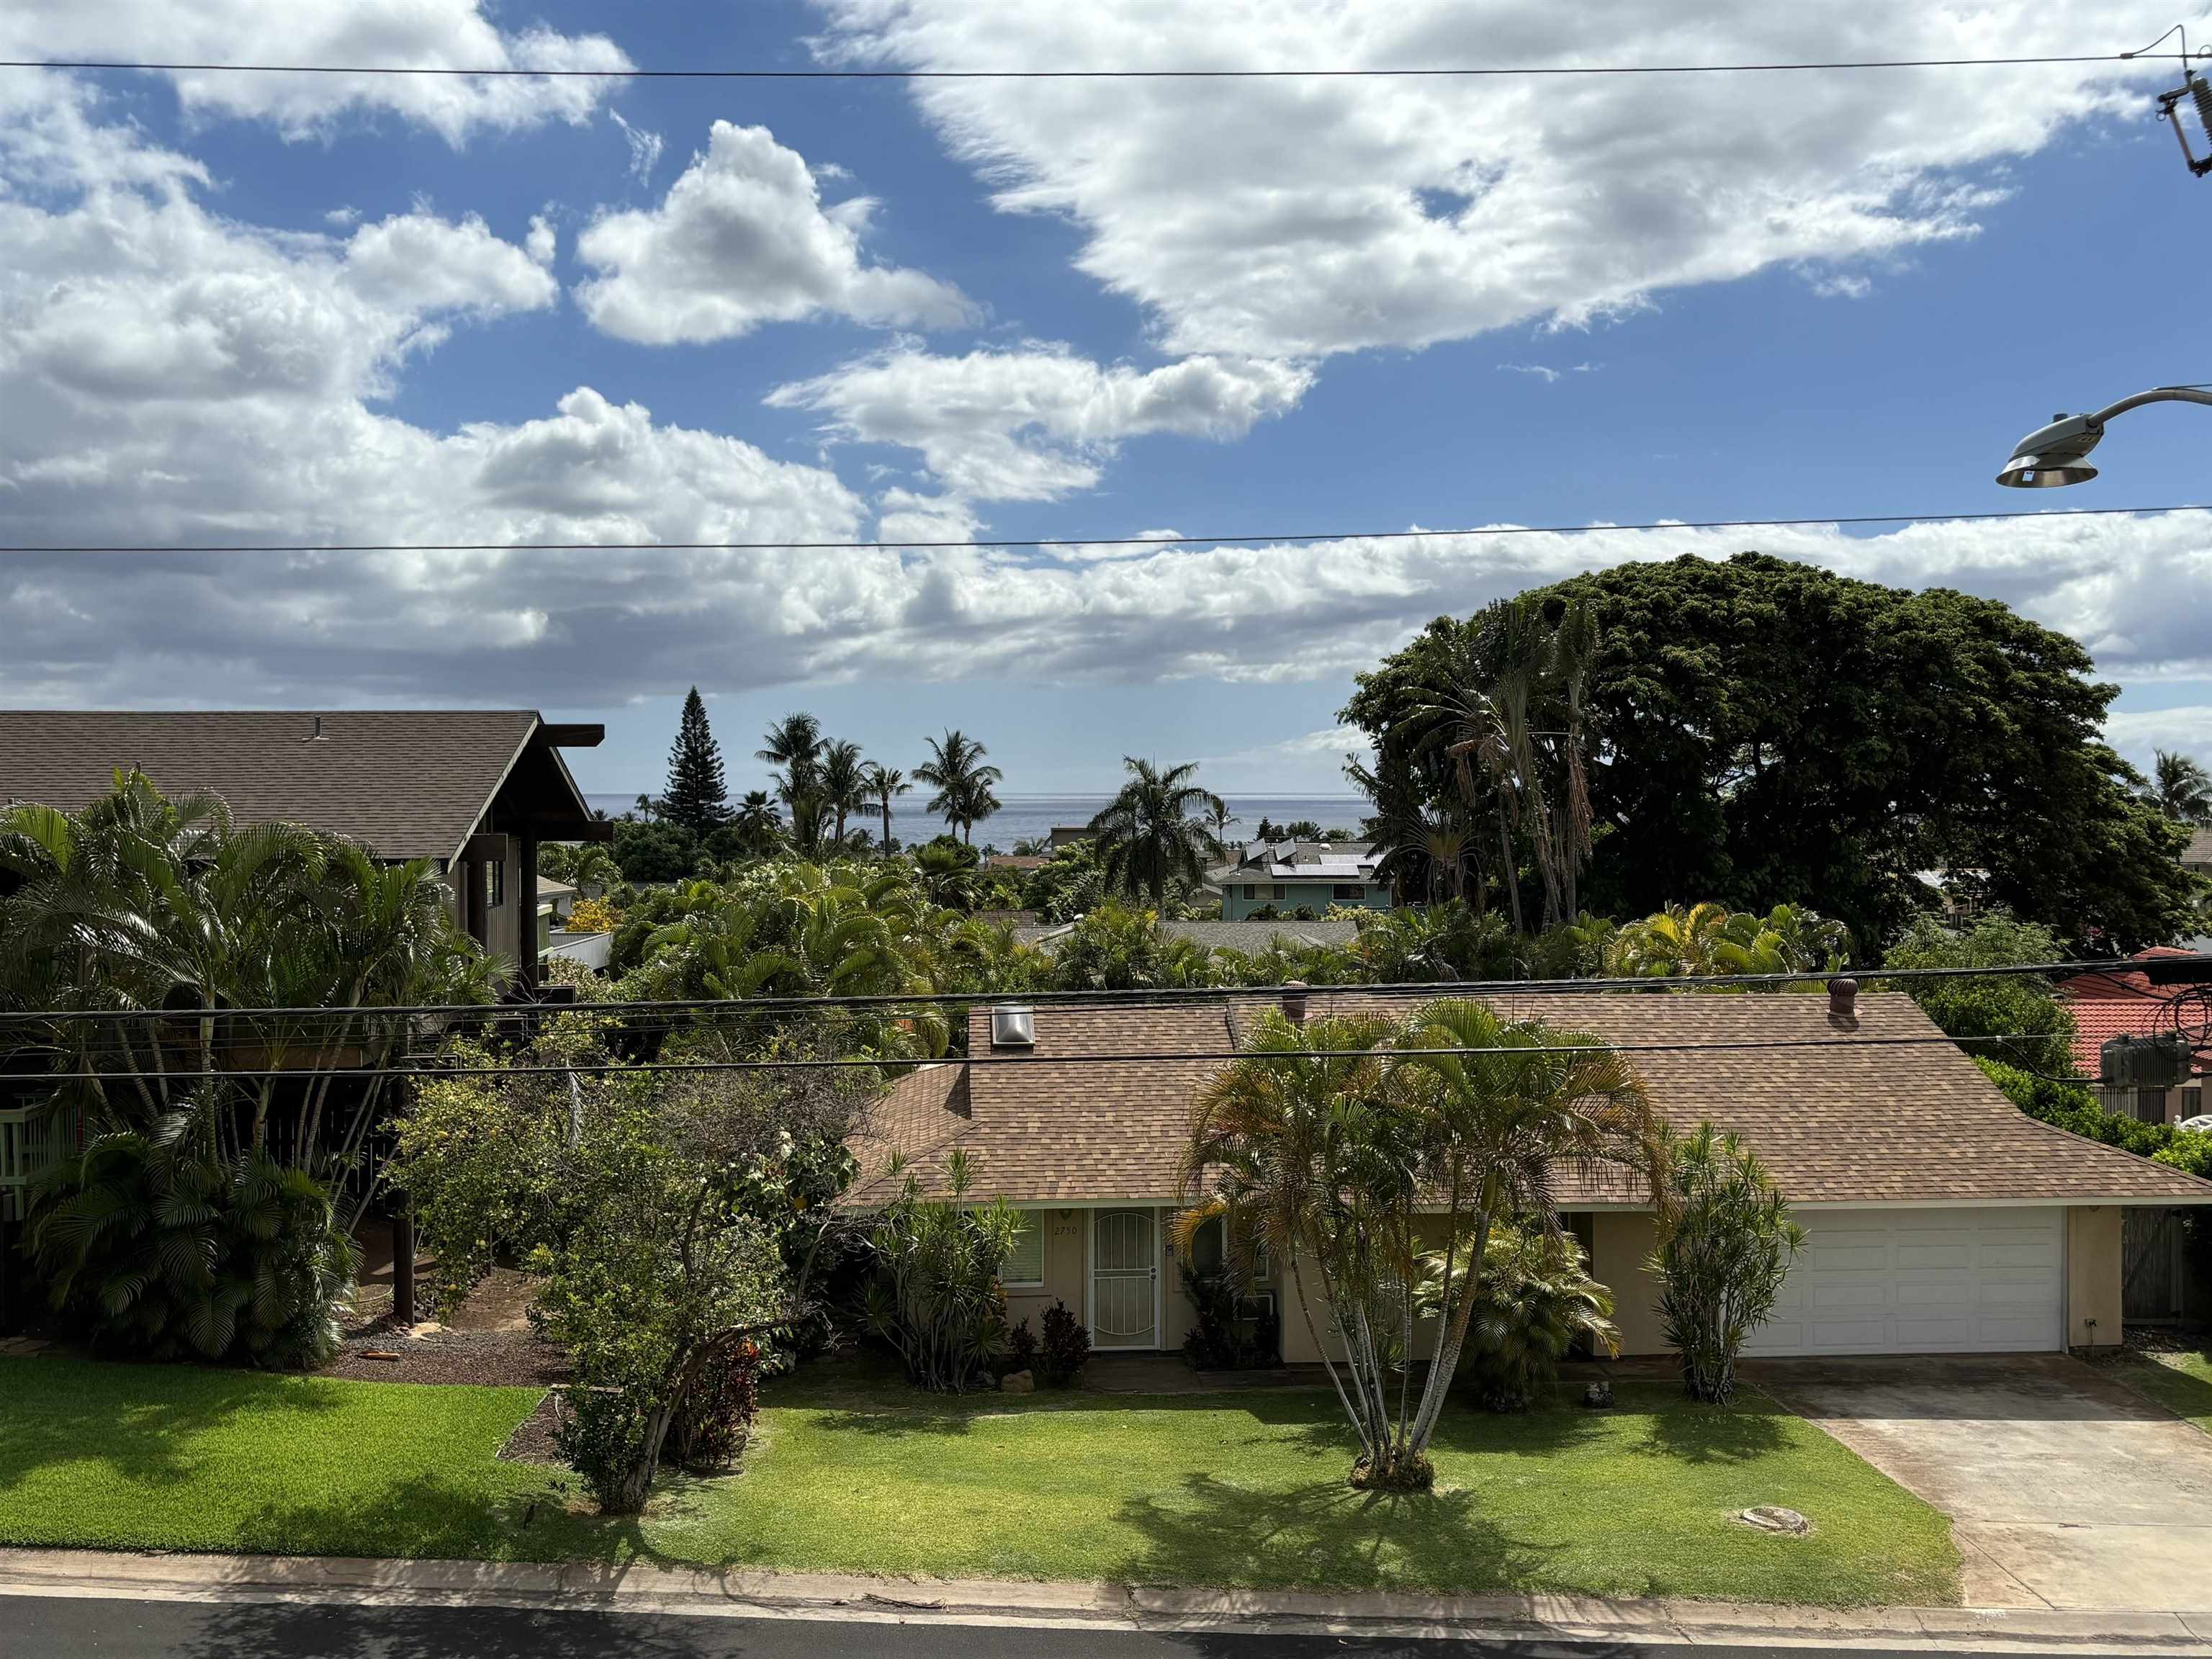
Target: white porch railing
pixel 30 1139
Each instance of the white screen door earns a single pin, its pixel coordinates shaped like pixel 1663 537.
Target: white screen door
pixel 1125 1280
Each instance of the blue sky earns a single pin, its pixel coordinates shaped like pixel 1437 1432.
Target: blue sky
pixel 347 311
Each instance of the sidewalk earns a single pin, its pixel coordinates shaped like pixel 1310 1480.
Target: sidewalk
pixel 747 1594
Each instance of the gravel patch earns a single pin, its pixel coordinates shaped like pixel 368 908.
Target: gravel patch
pixel 501 1358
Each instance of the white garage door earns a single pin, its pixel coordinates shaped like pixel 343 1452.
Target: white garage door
pixel 1922 1281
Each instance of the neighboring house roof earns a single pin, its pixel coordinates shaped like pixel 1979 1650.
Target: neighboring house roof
pixel 1246 936
pixel 1016 860
pixel 1300 861
pixel 2106 1006
pixel 406 783
pixel 2199 853
pixel 1860 1119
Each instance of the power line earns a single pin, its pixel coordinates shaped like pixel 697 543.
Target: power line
pixel 1092 541
pixel 1152 1057
pixel 1164 995
pixel 1398 73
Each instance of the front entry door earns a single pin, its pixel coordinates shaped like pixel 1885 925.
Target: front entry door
pixel 1125 1280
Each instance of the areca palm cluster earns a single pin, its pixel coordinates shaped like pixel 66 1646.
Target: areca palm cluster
pixel 224 1157
pixel 1350 1146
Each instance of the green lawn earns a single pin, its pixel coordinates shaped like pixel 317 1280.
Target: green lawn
pixel 2182 1382
pixel 1243 1489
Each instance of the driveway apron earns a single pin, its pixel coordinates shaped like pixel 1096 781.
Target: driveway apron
pixel 2064 1488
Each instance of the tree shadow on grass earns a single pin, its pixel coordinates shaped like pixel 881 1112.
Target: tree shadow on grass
pixel 1324 1534
pixel 137 1420
pixel 1746 1428
pixel 441 1518
pixel 913 1413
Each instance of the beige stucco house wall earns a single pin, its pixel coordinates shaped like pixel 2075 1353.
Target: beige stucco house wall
pixel 2094 1273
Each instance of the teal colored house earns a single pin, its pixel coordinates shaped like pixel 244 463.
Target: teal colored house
pixel 1281 878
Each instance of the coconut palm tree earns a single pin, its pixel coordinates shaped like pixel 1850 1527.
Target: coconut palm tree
pixel 2182 788
pixel 758 821
pixel 956 771
pixel 884 784
pixel 844 781
pixel 1157 829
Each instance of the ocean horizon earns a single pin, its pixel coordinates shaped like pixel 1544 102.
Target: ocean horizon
pixel 1028 817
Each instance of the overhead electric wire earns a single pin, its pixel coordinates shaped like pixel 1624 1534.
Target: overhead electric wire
pixel 1469 71
pixel 1038 542
pixel 1140 996
pixel 1699 1045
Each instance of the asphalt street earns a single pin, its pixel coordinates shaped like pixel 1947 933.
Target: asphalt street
pixel 43 1627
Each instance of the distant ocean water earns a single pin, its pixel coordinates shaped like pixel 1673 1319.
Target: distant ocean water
pixel 1025 818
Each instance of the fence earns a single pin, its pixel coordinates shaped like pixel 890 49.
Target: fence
pixel 2158 1285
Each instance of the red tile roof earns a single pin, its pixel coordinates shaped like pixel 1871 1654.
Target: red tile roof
pixel 2106 1006
pixel 1887 1113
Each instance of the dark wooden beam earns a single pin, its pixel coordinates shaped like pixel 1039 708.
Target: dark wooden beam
pixel 573 737
pixel 485 845
pixel 525 913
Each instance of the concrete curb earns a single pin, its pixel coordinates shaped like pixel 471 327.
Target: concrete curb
pixel 755 1594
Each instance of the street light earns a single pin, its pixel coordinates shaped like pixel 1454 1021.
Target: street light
pixel 2054 456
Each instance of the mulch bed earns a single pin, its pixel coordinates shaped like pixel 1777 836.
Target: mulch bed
pixel 502 1359
pixel 532 1439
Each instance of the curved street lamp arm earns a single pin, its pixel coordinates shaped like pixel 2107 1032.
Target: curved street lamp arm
pixel 2162 394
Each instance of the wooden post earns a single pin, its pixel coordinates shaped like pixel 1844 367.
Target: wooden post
pixel 403 1264
pixel 526 912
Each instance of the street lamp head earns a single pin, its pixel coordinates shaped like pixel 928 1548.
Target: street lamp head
pixel 2054 456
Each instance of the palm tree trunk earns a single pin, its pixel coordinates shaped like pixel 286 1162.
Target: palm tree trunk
pixel 1510 875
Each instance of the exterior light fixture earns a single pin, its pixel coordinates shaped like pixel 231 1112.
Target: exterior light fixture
pixel 2053 456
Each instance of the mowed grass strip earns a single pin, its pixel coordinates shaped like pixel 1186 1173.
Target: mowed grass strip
pixel 1243 1489
pixel 2180 1382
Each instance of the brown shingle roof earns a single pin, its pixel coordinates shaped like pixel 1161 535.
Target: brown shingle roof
pixel 408 783
pixel 1863 1119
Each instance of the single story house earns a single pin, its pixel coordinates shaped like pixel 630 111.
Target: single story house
pixel 1289 875
pixel 2106 1006
pixel 475 790
pixel 1248 937
pixel 1940 1219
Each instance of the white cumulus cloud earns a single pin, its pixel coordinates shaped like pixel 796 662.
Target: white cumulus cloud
pixel 420 33
pixel 1036 422
pixel 1302 216
pixel 741 239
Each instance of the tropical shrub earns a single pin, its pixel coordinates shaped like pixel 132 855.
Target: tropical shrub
pixel 1118 948
pixel 1535 1301
pixel 669 1225
pixel 1725 1247
pixel 1022 1348
pixel 936 1298
pixel 1066 1349
pixel 1224 1337
pixel 2013 1018
pixel 155 1248
pixel 714 1420
pixel 594 915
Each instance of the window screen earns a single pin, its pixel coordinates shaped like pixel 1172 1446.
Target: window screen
pixel 1024 1263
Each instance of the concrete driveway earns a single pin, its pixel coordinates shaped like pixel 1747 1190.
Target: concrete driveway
pixel 2064 1489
